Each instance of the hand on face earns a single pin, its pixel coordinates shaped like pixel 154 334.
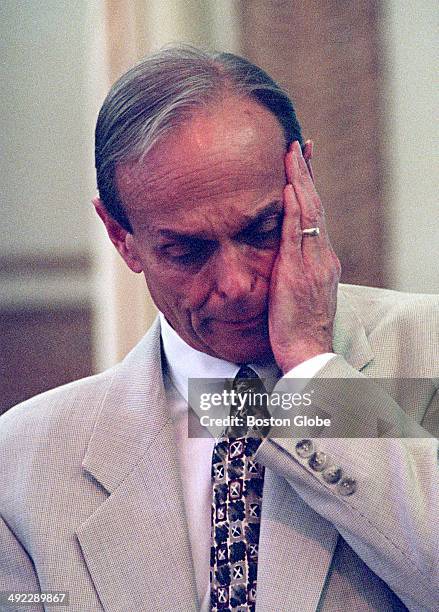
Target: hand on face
pixel 305 275
pixel 211 179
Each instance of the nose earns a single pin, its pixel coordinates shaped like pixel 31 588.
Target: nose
pixel 234 278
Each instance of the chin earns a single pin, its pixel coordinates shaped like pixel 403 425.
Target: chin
pixel 238 343
pixel 245 352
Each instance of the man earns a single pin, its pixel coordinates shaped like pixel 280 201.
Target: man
pixel 205 186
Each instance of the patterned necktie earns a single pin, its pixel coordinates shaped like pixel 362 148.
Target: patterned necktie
pixel 236 507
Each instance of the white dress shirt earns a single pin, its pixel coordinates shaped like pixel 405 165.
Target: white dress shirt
pixel 195 453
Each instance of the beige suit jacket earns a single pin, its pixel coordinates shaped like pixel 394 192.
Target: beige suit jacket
pixel 91 500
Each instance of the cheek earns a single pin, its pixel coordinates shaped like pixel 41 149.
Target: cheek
pixel 180 290
pixel 262 261
pixel 259 261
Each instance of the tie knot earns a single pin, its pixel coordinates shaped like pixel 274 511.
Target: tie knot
pixel 246 372
pixel 251 402
pixel 247 379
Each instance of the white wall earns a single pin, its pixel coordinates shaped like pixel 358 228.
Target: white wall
pixel 410 33
pixel 209 23
pixel 43 133
pixel 46 142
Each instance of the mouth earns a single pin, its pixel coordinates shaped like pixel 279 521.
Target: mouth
pixel 242 323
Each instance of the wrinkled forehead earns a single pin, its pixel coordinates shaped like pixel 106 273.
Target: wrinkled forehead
pixel 233 149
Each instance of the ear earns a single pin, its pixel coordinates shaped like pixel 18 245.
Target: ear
pixel 307 152
pixel 122 240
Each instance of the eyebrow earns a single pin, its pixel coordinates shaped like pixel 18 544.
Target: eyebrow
pixel 272 208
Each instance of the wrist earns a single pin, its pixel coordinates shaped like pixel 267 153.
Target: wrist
pixel 287 359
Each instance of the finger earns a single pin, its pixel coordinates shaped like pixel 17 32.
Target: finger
pixel 291 237
pixel 312 213
pixel 289 163
pixel 307 195
pixel 301 177
pixel 316 250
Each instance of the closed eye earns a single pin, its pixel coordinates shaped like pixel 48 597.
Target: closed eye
pixel 265 233
pixel 188 252
pixel 269 225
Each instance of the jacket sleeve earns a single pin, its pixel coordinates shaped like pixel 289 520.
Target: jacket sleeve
pixel 380 493
pixel 17 572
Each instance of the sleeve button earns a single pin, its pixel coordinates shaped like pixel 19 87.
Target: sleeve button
pixel 305 448
pixel 331 474
pixel 318 461
pixel 347 486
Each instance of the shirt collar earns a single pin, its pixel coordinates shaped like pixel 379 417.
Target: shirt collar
pixel 185 362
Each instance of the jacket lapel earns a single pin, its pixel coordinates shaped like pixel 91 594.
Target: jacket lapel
pixel 296 544
pixel 136 544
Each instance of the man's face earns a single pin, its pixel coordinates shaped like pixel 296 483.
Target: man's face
pixel 206 206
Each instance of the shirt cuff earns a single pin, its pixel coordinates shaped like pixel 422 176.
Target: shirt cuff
pixel 310 367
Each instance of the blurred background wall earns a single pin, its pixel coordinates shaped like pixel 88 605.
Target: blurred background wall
pixel 361 75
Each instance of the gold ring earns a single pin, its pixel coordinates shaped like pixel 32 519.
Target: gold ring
pixel 311 231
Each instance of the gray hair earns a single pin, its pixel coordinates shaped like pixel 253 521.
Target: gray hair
pixel 163 91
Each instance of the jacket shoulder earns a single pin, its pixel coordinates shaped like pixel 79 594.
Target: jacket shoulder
pixel 401 327
pixel 377 307
pixel 57 413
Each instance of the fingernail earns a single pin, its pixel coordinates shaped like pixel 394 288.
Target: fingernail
pixel 298 149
